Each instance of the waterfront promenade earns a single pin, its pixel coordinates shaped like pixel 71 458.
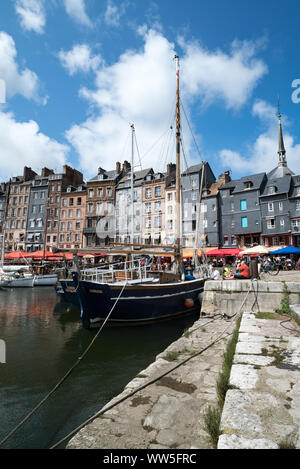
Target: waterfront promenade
pixel 262 404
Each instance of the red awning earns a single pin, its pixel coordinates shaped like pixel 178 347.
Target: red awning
pixel 15 255
pixel 224 252
pixel 39 254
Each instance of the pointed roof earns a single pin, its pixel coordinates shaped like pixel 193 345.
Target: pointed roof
pixel 282 169
pixel 281 149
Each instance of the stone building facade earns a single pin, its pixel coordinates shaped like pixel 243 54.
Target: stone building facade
pixel 72 218
pixel 18 194
pixel 153 212
pixel 58 183
pixel 128 212
pixel 99 227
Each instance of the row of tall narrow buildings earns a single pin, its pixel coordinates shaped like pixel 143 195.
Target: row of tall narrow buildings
pixel 61 211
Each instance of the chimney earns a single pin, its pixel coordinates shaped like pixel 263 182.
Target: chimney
pixel 224 177
pixel 28 173
pixel 126 166
pixel 46 172
pixel 171 169
pixel 118 167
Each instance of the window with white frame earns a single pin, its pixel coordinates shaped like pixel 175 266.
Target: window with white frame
pixel 157 191
pixel 271 207
pixel 295 223
pixel 271 224
pixel 170 224
pixel 157 222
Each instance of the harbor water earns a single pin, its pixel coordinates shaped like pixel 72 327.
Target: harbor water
pixel 43 339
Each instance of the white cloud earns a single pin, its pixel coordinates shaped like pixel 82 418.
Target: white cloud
pixel 24 82
pixel 79 59
pixel 140 88
pixel 114 12
pixel 32 15
pixel 22 144
pixel 261 155
pixel 76 9
pixel 215 75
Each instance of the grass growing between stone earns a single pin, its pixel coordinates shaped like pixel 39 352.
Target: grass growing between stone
pixel 285 309
pixel 212 417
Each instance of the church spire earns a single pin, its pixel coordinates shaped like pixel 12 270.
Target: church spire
pixel 281 149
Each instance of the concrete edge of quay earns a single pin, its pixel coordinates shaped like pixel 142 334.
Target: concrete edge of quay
pixel 262 406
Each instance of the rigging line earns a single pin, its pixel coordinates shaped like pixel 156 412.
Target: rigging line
pixel 10 434
pixel 138 152
pixel 164 133
pixel 154 144
pixel 191 129
pixel 125 145
pixel 166 150
pixel 140 388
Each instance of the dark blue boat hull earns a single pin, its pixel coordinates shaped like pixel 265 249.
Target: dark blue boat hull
pixel 138 303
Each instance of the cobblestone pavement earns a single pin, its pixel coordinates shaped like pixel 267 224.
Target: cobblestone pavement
pixel 262 411
pixel 170 412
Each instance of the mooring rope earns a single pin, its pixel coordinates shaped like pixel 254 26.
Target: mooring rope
pixel 154 380
pixel 30 414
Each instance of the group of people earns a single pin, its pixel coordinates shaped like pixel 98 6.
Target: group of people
pixel 242 272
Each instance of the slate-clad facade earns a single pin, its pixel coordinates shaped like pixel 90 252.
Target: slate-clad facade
pixel 36 218
pixel 241 220
pixel 190 190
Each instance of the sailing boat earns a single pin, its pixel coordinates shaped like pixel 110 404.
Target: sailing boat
pixel 13 279
pixel 141 296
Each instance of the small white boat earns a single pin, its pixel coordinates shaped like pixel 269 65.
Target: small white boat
pixel 45 280
pixel 15 268
pixel 20 282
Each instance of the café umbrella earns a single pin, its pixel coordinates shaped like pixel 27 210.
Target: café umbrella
pixel 286 250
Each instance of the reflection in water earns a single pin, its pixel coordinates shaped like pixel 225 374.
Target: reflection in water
pixel 44 338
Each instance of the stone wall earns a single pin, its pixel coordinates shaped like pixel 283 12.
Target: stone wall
pixel 227 296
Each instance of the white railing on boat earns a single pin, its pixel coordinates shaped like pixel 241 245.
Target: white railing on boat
pixel 118 272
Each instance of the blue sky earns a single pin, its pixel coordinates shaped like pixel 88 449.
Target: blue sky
pixel 79 72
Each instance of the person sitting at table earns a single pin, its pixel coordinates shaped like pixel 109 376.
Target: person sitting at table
pixel 243 271
pixel 215 274
pixel 227 273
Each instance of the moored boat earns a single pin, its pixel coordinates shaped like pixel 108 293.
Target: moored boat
pixel 21 281
pixel 45 280
pixel 141 303
pixel 136 295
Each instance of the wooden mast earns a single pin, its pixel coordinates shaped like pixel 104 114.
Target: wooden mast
pixel 132 182
pixel 178 182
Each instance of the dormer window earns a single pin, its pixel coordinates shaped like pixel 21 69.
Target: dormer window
pixel 271 190
pixel 248 184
